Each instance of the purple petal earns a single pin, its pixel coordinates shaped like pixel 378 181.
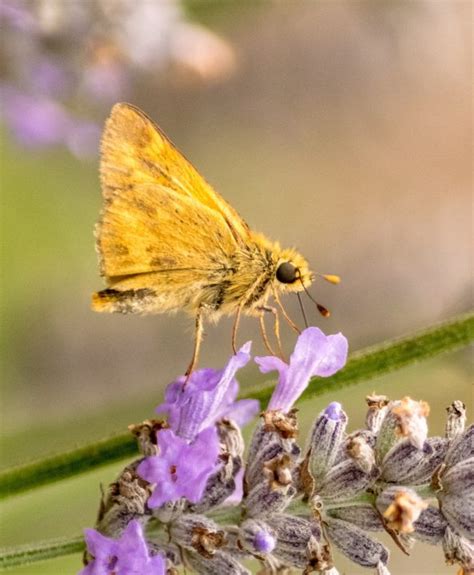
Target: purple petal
pixel 129 554
pixel 335 357
pixel 271 363
pixel 96 542
pixel 314 354
pixel 207 396
pixel 180 469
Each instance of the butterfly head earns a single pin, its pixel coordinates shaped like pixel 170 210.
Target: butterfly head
pixel 293 275
pixel 292 272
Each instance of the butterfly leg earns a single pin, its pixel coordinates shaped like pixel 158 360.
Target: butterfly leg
pixel 197 344
pixel 291 323
pixel 276 326
pixel 235 329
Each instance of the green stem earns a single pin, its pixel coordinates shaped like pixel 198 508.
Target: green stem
pixel 67 464
pixel 362 365
pixel 24 554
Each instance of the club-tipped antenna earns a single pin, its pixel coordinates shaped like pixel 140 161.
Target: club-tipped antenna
pixel 302 309
pixel 331 278
pixel 322 310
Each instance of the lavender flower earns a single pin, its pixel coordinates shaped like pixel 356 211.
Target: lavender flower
pixel 128 555
pixel 295 505
pixel 75 56
pixel 181 469
pixel 314 354
pixel 208 396
pixel 36 121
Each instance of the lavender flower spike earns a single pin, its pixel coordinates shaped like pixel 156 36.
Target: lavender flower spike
pixel 208 396
pixel 180 469
pixel 314 354
pixel 128 555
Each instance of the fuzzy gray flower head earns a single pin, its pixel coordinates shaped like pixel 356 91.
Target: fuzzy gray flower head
pixel 294 506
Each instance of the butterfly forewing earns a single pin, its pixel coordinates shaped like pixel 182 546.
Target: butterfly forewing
pixel 152 228
pixel 135 151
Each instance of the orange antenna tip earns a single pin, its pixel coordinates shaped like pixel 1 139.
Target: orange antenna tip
pixel 323 311
pixel 332 279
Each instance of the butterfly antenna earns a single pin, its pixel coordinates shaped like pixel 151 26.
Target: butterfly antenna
pixel 302 309
pixel 322 310
pixel 331 278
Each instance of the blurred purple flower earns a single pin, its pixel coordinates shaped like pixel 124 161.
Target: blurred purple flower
pixel 181 469
pixel 48 78
pixel 128 555
pixel 17 16
pixel 314 354
pixel 208 396
pixel 35 121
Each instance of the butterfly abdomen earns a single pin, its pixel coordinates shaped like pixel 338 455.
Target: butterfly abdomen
pixel 128 301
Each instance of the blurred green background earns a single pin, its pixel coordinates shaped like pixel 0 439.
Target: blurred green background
pixel 343 129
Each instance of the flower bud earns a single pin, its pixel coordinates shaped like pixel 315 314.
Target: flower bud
pixel 257 537
pixel 284 424
pixel 457 496
pixel 298 542
pixel 363 516
pixel 199 533
pixel 359 449
pixel 355 544
pixel 345 481
pixel 231 438
pixel 457 549
pixel 456 420
pixel 461 448
pixel 325 439
pixel 275 489
pixel 406 418
pixel 270 450
pixel 271 446
pixel 218 564
pixel 430 526
pixel 170 510
pixel 145 433
pixel 400 507
pixel 377 411
pixel 126 499
pixel 406 464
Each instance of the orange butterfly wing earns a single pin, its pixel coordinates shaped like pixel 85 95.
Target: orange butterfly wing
pixel 136 158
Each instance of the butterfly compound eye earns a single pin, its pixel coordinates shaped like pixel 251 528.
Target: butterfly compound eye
pixel 287 273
